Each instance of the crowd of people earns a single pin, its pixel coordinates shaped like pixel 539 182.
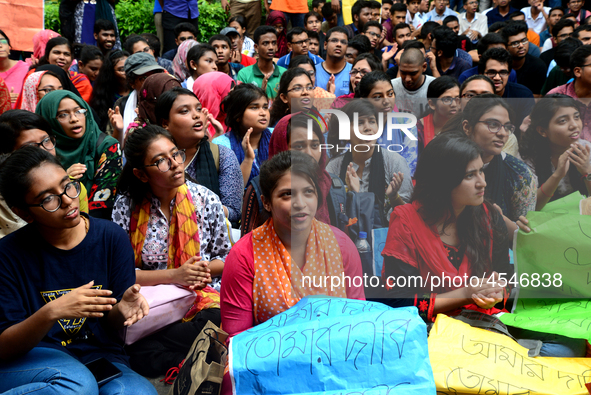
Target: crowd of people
pixel 157 159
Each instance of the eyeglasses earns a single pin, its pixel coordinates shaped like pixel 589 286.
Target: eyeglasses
pixel 164 164
pixel 433 49
pixel 67 116
pixel 373 34
pixel 52 203
pixel 48 143
pixel 181 39
pixel 311 73
pixel 495 126
pixel 306 41
pixel 493 73
pixel 449 100
pixel 299 88
pixel 354 72
pixel 564 35
pixel 516 44
pixel 336 41
pixel 3 41
pixel 47 90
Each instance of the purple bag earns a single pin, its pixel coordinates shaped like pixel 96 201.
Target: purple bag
pixel 168 304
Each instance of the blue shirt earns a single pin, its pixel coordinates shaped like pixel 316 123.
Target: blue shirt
pixel 186 9
pixel 474 70
pixel 435 17
pixel 495 16
pixel 457 67
pixel 341 79
pixel 284 61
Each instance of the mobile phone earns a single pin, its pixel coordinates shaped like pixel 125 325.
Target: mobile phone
pixel 103 370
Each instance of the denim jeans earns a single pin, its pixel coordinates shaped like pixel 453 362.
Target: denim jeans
pixel 553 345
pixel 50 371
pixel 297 20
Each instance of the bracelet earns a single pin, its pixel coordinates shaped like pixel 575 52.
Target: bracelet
pixel 584 177
pixel 545 194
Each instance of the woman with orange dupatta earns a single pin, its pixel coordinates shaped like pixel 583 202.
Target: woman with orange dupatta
pixel 178 233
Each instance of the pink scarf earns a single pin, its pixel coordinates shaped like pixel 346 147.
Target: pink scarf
pixel 210 89
pixel 179 64
pixel 30 99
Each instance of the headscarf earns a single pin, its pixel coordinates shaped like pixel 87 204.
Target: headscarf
pixel 5 103
pixel 280 143
pixel 64 78
pixel 30 91
pixel 179 64
pixel 153 87
pixel 274 18
pixel 70 150
pixel 40 42
pixel 210 89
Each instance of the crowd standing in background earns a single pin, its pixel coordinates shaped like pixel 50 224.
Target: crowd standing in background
pixel 157 159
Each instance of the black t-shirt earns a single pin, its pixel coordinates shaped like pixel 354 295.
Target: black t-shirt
pixel 33 273
pixel 532 74
pixel 548 56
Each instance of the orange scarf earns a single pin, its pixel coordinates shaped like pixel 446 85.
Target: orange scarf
pixel 183 241
pixel 279 283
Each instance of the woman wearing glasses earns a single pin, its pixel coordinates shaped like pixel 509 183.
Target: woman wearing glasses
pixel 486 120
pixel 90 156
pixel 363 64
pixel 18 129
pixel 444 102
pixel 554 150
pixel 296 93
pixel 68 284
pixel 179 236
pixel 38 85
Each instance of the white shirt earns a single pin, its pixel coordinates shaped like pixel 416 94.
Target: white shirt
pixel 538 25
pixel 435 17
pixel 547 45
pixel 487 10
pixel 479 23
pixel 416 22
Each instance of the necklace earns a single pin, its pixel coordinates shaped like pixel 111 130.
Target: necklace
pixel 86 224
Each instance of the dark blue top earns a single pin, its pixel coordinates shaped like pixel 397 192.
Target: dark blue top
pixel 474 70
pixel 521 100
pixel 182 8
pixel 170 54
pixel 34 272
pixel 494 15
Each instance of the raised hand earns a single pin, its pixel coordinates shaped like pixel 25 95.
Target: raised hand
pixel 219 129
pixel 116 119
pixel 76 171
pixel 579 156
pixel 83 302
pixel 330 86
pixel 394 186
pixel 248 150
pixel 352 179
pixel 563 165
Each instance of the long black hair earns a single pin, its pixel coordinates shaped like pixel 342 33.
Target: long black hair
pixel 537 149
pixel 137 143
pixel 166 101
pixel 15 170
pixel 369 81
pixel 106 87
pixel 280 108
pixel 438 87
pixel 441 168
pixel 359 107
pixel 14 122
pixel 237 102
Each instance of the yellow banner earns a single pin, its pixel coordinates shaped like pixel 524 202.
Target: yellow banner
pixel 467 360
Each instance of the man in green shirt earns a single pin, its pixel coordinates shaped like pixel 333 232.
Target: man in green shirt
pixel 264 73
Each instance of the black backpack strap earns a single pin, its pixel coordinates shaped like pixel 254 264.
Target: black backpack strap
pixel 102 136
pixel 337 199
pixel 255 182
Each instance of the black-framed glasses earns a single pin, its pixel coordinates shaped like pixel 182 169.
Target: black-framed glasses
pixel 48 143
pixel 300 88
pixel 67 116
pixel 47 90
pixel 492 73
pixel 449 100
pixel 164 164
pixel 564 35
pixel 306 41
pixel 361 72
pixel 516 44
pixel 52 203
pixel 495 126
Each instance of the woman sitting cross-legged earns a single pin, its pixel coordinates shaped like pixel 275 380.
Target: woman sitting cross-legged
pixel 68 284
pixel 179 235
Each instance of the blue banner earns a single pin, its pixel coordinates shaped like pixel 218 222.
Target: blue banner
pixel 334 346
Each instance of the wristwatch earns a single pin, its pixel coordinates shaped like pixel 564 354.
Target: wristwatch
pixel 586 177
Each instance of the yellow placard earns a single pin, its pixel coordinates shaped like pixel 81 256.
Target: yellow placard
pixel 346 9
pixel 467 360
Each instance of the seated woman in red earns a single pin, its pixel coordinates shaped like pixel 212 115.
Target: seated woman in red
pixel 449 233
pixel 274 258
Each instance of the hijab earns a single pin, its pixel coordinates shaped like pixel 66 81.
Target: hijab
pixel 83 150
pixel 40 42
pixel 30 87
pixel 210 89
pixel 279 143
pixel 274 18
pixel 153 87
pixel 179 64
